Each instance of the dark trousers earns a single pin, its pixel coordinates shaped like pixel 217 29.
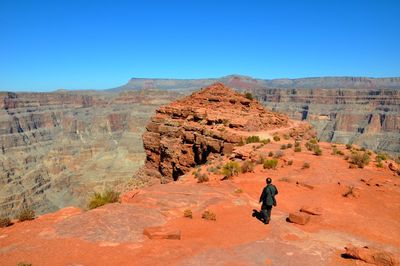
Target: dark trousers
pixel 266 211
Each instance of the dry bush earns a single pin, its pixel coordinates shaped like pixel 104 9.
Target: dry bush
pixel 201 178
pixel 265 141
pixel 290 145
pixel 276 138
pixel 270 164
pixel 5 221
pixel 248 167
pixel 25 214
pixel 313 141
pixel 349 146
pixel 188 214
pixel 283 147
pixel 297 149
pixel 317 150
pixel 100 199
pixel 360 159
pixel 270 154
pixel 305 165
pixel 208 215
pixel 248 95
pixel 279 154
pixel 350 192
pixel 230 169
pixel 252 139
pixel 290 162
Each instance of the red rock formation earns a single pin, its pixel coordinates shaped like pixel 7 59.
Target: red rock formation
pixel 186 132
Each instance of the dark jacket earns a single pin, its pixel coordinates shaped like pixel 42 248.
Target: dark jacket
pixel 268 195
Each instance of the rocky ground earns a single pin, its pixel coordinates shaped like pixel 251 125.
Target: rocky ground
pixel 341 206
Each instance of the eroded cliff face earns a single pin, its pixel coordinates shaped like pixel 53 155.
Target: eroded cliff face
pixel 57 148
pixel 187 132
pixel 370 118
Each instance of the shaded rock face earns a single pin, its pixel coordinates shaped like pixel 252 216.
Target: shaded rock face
pixel 56 148
pixel 207 123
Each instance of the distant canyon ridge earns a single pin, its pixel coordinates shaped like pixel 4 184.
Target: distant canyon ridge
pixel 58 147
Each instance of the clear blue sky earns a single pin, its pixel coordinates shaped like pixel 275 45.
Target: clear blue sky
pixel 46 45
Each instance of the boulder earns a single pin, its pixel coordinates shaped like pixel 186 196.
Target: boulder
pixel 299 218
pixel 371 255
pixel 311 210
pixel 159 232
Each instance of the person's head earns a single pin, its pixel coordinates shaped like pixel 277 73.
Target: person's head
pixel 268 180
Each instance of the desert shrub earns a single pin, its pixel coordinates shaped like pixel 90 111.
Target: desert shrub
pixel 252 139
pixel 360 159
pixel 290 145
pixel 297 144
pixel 349 146
pixel 297 149
pixel 249 96
pixel 379 164
pixel 25 214
pixel 208 215
pixel 247 166
pixel 290 162
pixel 349 192
pixel 202 178
pixel 260 160
pixel 188 214
pixel 306 165
pixel 381 157
pixel 309 146
pixel 266 141
pixel 369 152
pixel 270 164
pixel 276 138
pixel 283 147
pixel 335 151
pixel 100 199
pixel 212 169
pixel 230 169
pixel 24 264
pixel 313 141
pixel 5 221
pixel 363 149
pixel 241 142
pixel 346 157
pixel 270 154
pixel 317 150
pixel 279 154
pixel 286 136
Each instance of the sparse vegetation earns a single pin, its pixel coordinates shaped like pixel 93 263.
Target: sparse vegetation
pixel 379 164
pixel 270 154
pixel 317 150
pixel 286 136
pixel 188 214
pixel 290 145
pixel 270 164
pixel 100 199
pixel 381 157
pixel 260 160
pixel 290 162
pixel 360 159
pixel 252 139
pixel 276 138
pixel 305 165
pixel 201 178
pixel 208 215
pixel 241 142
pixel 248 95
pixel 265 141
pixel 248 166
pixel 25 214
pixel 349 146
pixel 5 221
pixel 279 154
pixel 313 141
pixel 283 147
pixel 230 169
pixel 297 149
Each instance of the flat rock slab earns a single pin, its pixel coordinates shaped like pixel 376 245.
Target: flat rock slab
pixel 371 255
pixel 116 223
pixel 159 232
pixel 299 218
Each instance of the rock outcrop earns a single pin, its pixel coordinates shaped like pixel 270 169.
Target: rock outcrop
pixel 206 123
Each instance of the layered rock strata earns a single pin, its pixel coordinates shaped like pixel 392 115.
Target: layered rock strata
pixel 210 122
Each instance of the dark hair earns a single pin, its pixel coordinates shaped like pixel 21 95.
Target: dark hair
pixel 269 180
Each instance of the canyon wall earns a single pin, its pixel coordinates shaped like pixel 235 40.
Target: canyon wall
pixel 57 148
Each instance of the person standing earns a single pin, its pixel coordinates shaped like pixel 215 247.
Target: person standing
pixel 268 200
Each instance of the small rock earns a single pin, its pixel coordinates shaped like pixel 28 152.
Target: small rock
pixel 299 218
pixel 159 232
pixel 311 210
pixel 370 255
